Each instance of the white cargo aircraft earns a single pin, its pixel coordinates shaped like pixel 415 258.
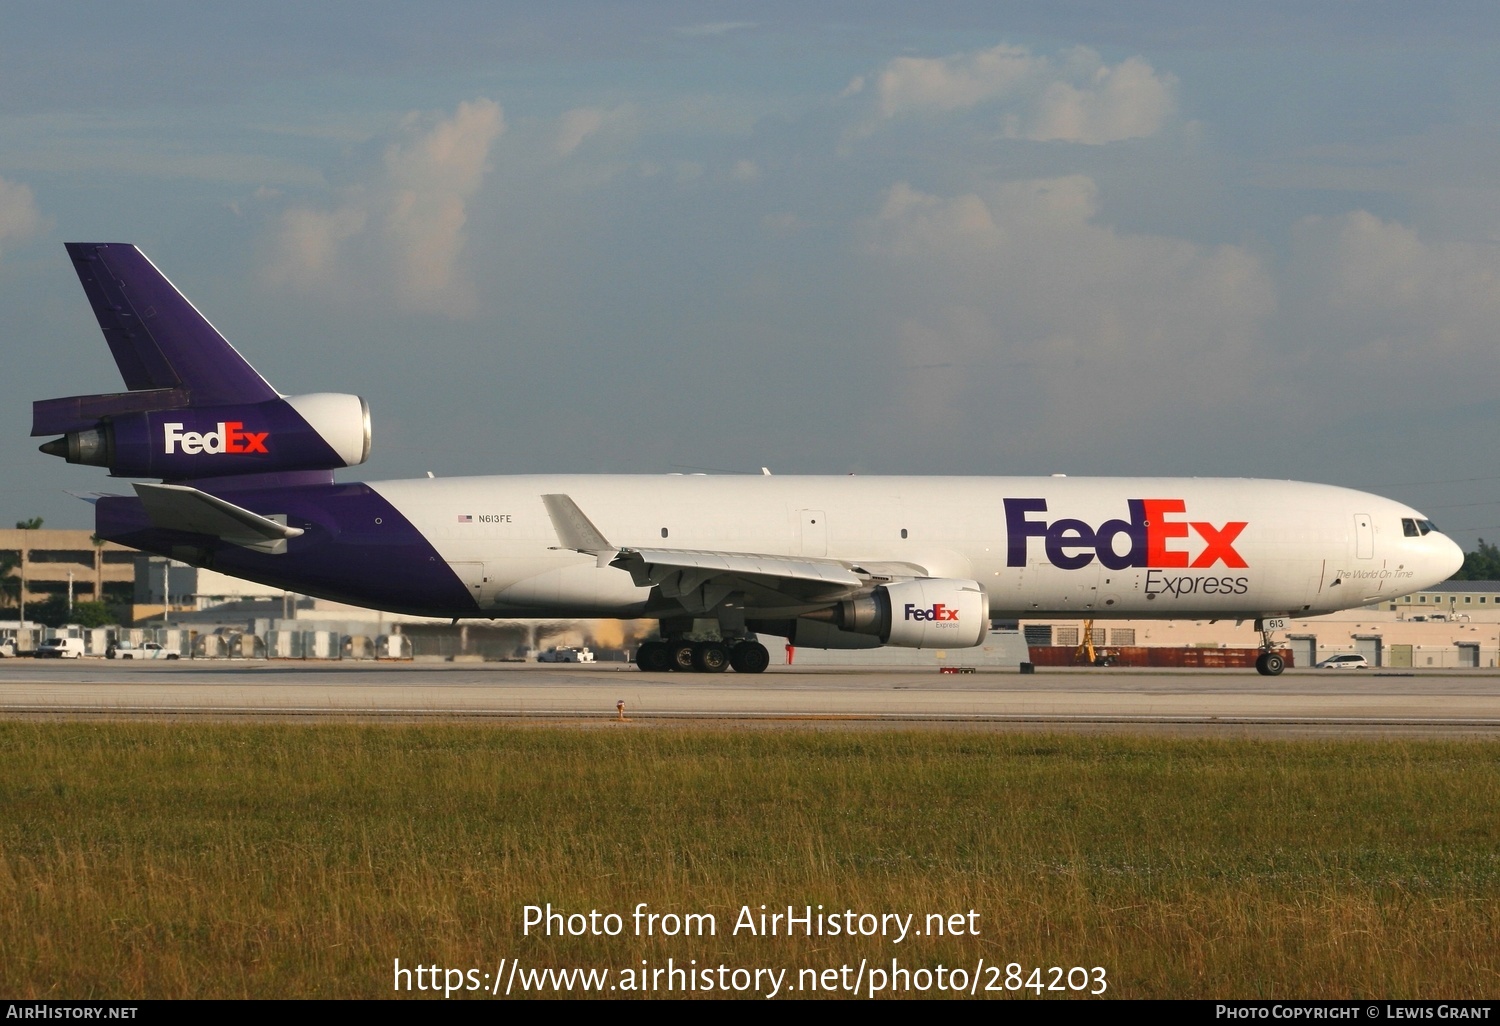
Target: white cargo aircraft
pixel 829 562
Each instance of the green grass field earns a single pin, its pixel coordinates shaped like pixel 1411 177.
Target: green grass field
pixel 209 860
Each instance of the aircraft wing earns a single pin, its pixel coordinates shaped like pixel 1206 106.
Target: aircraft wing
pixel 708 577
pixel 765 580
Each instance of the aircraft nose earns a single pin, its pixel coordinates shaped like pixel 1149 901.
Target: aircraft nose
pixel 1449 558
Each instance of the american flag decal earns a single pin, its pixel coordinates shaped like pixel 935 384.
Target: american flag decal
pixel 464 518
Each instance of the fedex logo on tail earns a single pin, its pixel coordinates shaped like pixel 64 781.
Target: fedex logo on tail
pixel 938 612
pixel 1151 537
pixel 231 436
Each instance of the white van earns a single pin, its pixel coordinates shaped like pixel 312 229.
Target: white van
pixel 60 648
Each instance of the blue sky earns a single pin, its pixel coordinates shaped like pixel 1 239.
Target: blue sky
pixel 1169 238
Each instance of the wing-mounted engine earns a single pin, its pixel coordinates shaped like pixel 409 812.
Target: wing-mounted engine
pixel 155 433
pixel 927 612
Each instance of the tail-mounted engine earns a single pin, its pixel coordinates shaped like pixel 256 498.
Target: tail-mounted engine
pixel 323 431
pixel 928 612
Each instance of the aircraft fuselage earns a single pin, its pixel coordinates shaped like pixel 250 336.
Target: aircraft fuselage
pixel 1049 546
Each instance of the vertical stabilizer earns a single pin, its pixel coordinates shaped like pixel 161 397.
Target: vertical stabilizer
pixel 195 410
pixel 158 338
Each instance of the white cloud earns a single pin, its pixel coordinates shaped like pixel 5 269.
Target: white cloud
pixel 20 217
pixel 575 126
pixel 1127 101
pixel 400 232
pixel 1014 304
pixel 609 131
pixel 1375 305
pixel 1074 97
pixel 1016 313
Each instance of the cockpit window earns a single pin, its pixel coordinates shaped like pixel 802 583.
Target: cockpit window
pixel 1409 527
pixel 1425 526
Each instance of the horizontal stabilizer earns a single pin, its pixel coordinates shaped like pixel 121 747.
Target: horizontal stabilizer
pixel 81 412
pixel 180 508
pixel 92 498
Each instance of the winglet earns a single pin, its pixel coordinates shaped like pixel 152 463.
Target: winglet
pixel 575 530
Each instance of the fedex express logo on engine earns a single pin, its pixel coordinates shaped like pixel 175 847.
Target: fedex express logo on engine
pixel 938 612
pixel 1156 535
pixel 231 436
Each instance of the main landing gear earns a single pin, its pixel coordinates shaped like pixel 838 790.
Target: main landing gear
pixel 702 656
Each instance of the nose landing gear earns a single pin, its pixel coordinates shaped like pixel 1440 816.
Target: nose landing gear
pixel 1269 663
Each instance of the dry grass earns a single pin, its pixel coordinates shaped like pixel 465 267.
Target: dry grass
pixel 268 860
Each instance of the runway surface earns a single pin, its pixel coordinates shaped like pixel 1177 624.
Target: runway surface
pixel 1389 702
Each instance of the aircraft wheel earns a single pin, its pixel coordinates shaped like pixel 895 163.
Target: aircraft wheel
pixel 680 656
pixel 750 657
pixel 1269 664
pixel 654 657
pixel 710 657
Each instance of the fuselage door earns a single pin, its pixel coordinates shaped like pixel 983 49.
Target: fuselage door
pixel 814 532
pixel 475 579
pixel 1364 536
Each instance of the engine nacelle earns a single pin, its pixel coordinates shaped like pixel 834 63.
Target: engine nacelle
pixel 928 612
pixel 935 612
pixel 323 431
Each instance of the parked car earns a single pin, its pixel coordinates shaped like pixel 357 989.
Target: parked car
pixel 148 650
pixel 60 648
pixel 1344 662
pixel 8 648
pixel 565 655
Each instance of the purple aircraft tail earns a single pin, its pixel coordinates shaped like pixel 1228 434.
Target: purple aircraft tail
pixel 195 409
pixel 158 338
